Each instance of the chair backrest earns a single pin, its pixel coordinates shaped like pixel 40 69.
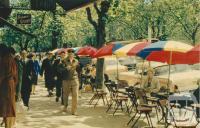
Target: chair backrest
pixel 141 96
pixel 112 88
pixel 131 95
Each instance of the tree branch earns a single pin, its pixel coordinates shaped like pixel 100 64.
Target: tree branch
pixel 89 16
pixel 185 26
pixel 96 8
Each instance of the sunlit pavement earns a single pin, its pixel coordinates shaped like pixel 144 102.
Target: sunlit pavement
pixel 46 113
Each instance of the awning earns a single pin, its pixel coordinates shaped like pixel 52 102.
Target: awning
pixel 68 5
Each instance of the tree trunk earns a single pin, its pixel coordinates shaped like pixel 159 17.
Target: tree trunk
pixel 193 38
pixel 54 40
pixel 100 36
pixel 100 62
pixel 100 73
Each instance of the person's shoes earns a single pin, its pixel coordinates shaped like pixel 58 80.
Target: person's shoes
pixel 64 109
pixel 50 94
pixel 57 99
pixel 2 123
pixel 74 113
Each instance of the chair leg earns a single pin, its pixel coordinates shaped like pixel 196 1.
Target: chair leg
pixel 103 99
pixel 91 100
pixel 109 106
pixel 97 101
pixel 118 104
pixel 150 120
pixel 132 119
pixel 157 114
pixel 106 99
pixel 131 109
pixel 127 108
pixel 136 121
pixel 121 105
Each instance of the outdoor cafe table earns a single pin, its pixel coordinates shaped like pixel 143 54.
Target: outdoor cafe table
pixel 183 98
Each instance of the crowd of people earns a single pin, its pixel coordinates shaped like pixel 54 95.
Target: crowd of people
pixel 62 73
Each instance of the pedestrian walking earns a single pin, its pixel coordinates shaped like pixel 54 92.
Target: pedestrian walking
pixel 8 82
pixel 58 75
pixel 35 74
pixel 48 71
pixel 20 74
pixel 27 79
pixel 70 82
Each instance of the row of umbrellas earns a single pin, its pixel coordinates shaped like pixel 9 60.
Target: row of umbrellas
pixel 171 52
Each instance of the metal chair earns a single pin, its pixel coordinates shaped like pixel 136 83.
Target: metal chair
pixel 117 98
pixel 98 94
pixel 139 108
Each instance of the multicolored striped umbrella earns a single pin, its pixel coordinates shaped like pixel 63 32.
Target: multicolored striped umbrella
pixel 87 51
pixel 107 50
pixel 131 49
pixel 171 52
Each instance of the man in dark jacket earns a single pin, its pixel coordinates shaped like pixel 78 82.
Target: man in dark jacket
pixel 58 74
pixel 48 71
pixel 28 71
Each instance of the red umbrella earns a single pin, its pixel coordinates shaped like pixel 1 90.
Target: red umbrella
pixel 193 56
pixel 107 50
pixel 87 51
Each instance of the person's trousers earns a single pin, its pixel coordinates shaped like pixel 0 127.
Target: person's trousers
pixel 25 94
pixel 71 86
pixel 58 88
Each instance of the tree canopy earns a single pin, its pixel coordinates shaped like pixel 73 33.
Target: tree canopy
pixel 126 20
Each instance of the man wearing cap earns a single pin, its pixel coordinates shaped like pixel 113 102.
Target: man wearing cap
pixel 70 81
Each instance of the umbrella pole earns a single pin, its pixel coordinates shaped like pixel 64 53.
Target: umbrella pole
pixel 117 69
pixel 170 62
pixel 142 73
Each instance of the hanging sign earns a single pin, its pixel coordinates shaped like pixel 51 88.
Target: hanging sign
pixel 23 18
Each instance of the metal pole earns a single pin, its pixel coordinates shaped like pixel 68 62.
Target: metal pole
pixel 170 62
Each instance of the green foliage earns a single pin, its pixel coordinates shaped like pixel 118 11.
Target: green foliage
pixel 126 20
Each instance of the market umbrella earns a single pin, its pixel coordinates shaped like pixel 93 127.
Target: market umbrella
pixel 131 49
pixel 171 52
pixel 75 49
pixel 87 51
pixel 107 50
pixel 193 56
pixel 58 51
pixel 55 50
